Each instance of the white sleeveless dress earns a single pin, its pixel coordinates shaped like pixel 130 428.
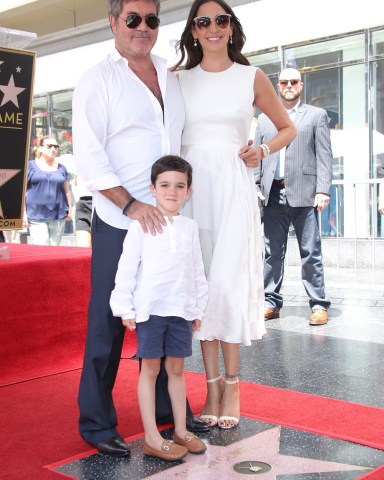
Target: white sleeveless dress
pixel 219 112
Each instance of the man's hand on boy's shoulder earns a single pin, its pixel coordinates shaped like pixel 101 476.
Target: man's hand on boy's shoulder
pixel 149 217
pixel 196 324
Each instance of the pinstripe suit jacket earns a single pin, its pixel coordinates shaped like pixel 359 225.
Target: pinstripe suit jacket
pixel 308 158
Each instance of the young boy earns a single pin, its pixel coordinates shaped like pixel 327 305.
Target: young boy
pixel 161 291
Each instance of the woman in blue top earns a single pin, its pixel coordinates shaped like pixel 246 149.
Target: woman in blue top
pixel 48 203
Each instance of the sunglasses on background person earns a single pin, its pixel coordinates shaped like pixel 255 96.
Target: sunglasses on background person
pixel 51 145
pixel 134 20
pixel 222 21
pixel 293 82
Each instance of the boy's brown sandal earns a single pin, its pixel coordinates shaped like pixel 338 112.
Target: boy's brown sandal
pixel 191 442
pixel 169 451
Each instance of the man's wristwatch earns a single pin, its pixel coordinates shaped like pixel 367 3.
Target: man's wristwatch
pixel 128 205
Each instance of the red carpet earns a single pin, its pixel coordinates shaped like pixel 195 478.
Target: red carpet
pixel 44 293
pixel 38 424
pixel 325 416
pixel 377 474
pixel 39 418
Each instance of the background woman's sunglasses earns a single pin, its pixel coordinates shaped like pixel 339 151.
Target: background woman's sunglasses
pixel 134 20
pixel 222 21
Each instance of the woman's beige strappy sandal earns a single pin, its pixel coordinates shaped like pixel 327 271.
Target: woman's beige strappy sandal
pixel 210 418
pixel 226 418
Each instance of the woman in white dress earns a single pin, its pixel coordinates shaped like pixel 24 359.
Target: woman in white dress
pixel 221 91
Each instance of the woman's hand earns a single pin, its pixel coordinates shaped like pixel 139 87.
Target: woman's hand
pixel 251 156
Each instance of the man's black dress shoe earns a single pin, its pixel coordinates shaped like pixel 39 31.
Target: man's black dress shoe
pixel 114 446
pixel 195 424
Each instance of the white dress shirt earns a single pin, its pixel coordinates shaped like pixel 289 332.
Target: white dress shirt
pixel 281 164
pixel 120 130
pixel 161 274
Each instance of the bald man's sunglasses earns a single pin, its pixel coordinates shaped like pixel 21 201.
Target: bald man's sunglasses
pixel 293 82
pixel 134 20
pixel 222 21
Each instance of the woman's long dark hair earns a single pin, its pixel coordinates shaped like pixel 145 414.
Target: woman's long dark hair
pixel 194 54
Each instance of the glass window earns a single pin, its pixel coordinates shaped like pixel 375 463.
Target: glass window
pixel 39 124
pixel 62 130
pixel 268 62
pixel 40 105
pixel 377 43
pixel 52 115
pixel 345 49
pixel 62 101
pixel 377 113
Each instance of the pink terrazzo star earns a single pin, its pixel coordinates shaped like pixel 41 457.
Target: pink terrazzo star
pixel 217 463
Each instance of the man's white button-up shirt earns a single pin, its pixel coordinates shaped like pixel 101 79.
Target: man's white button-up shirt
pixel 121 130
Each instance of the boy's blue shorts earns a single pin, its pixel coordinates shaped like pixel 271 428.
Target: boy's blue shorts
pixel 164 336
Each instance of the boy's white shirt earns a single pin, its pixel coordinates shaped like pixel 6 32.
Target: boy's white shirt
pixel 161 274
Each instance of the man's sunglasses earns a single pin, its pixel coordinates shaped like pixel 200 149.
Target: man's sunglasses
pixel 222 21
pixel 293 82
pixel 134 20
pixel 52 145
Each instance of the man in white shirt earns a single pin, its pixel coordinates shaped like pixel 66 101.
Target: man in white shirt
pixel 127 112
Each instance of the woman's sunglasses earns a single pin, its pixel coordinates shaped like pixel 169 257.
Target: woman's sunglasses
pixel 222 21
pixel 134 20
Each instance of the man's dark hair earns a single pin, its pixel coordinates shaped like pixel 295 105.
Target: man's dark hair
pixel 116 6
pixel 171 163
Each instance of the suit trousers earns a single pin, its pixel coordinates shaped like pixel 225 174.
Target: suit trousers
pixel 105 336
pixel 278 216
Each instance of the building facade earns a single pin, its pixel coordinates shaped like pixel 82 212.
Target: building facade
pixel 343 71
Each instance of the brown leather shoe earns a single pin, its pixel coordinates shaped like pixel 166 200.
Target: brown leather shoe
pixel 270 313
pixel 169 451
pixel 191 442
pixel 319 317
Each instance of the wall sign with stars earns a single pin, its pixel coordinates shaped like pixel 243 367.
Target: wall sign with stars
pixel 16 94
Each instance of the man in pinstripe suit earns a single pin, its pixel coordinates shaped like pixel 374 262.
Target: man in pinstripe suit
pixel 294 184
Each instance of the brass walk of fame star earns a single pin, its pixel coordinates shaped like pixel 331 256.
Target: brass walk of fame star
pixel 218 462
pixel 252 467
pixel 10 92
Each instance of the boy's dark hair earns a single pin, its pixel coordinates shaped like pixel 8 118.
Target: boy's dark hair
pixel 171 163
